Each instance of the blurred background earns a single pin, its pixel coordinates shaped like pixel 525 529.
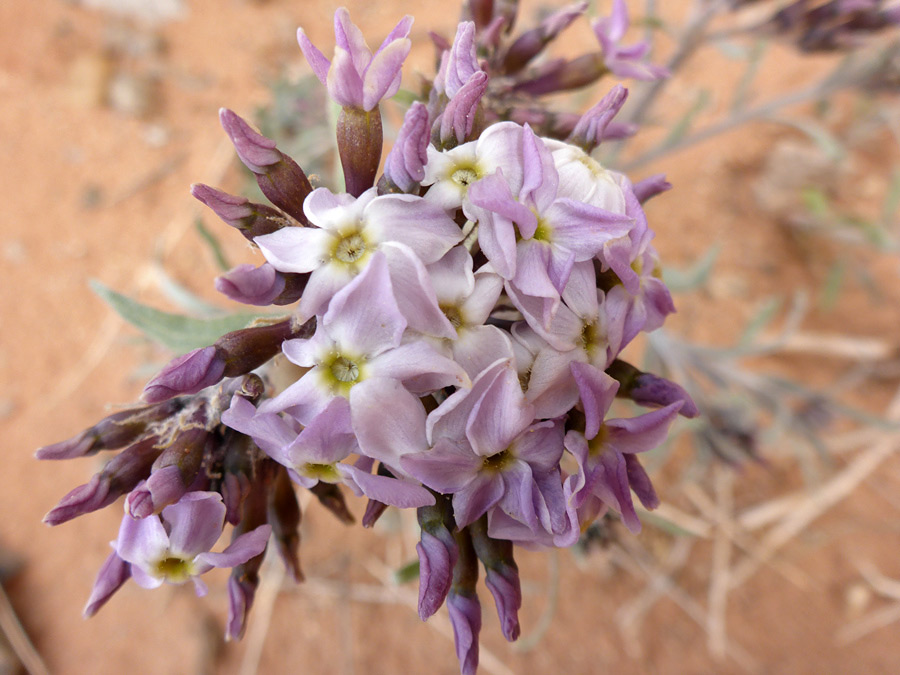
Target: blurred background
pixel 776 546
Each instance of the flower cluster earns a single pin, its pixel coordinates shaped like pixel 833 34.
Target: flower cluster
pixel 457 325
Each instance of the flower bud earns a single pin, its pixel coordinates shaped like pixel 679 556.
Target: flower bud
pixel 532 42
pixel 591 128
pixel 244 578
pixel 458 119
pixel 651 186
pixel 437 555
pixel 563 75
pixel 460 63
pixel 233 354
pixel 359 140
pixel 120 475
pixel 253 220
pixel 174 471
pixel 463 605
pixel 261 286
pixel 331 497
pixel 404 167
pixel 110 578
pixel 279 177
pixel 650 390
pixel 285 516
pixel 113 432
pixel 502 576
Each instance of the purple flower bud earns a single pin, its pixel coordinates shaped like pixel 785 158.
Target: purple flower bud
pixel 331 497
pixel 650 390
pixel 458 119
pixel 502 576
pixel 163 487
pixel 186 374
pixel 261 286
pixel 532 42
pixel 460 63
pixel 591 128
pixel 251 285
pixel 120 475
pixel 463 605
pixel 374 511
pixel 285 516
pixel 244 578
pixel 116 431
pixel 562 75
pixel 465 617
pixel 174 471
pixel 279 177
pixel 438 553
pixel 110 578
pixel 480 12
pixel 360 139
pixel 405 165
pixel 233 354
pixel 651 186
pixel 253 220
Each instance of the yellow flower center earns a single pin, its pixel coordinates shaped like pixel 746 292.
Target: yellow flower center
pixel 174 569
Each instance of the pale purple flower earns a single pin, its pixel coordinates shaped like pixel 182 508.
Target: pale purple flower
pixel 360 336
pixel 487 451
pixel 636 264
pixel 450 173
pixel 467 300
pixel 316 452
pixel 605 453
pixel 554 232
pixel 176 547
pixel 349 231
pixel 624 61
pixel 354 77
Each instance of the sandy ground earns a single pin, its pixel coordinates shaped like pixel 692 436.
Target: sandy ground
pixel 100 191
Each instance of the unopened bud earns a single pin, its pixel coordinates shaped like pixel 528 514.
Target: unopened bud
pixel 405 164
pixel 261 286
pixel 279 177
pixel 651 186
pixel 437 553
pixel 120 475
pixel 331 497
pixel 285 517
pixel 562 75
pixel 253 220
pixel 532 42
pixel 113 432
pixel 359 139
pixel 650 390
pixel 458 119
pixel 591 128
pixel 502 576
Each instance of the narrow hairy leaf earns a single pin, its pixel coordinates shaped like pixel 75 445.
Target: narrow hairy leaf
pixel 177 332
